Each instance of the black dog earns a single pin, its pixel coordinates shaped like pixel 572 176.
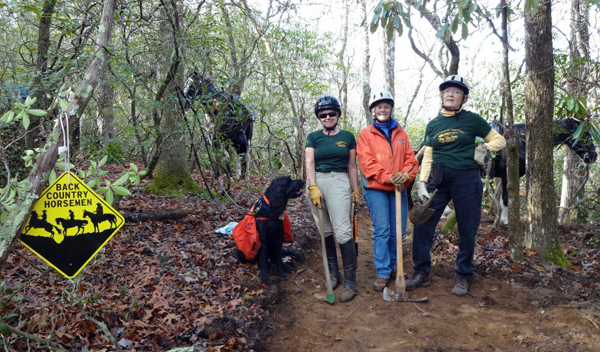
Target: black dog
pixel 269 223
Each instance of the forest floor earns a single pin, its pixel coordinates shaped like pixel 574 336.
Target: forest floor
pixel 162 284
pixel 528 306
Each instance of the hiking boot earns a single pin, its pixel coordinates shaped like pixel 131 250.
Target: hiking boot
pixel 461 286
pixel 347 294
pixel 380 284
pixel 418 278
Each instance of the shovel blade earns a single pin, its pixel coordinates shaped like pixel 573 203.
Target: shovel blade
pixel 391 296
pixel 419 215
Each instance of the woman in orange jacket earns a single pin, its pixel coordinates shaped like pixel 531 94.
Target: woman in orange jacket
pixel 386 161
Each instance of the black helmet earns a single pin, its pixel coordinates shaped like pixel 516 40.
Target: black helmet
pixel 328 102
pixel 455 81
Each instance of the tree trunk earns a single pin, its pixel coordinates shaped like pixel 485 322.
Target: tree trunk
pixel 366 67
pixel 19 215
pixel 172 175
pixel 542 232
pixel 515 230
pixel 106 109
pixel 286 89
pixel 575 176
pixel 37 87
pixel 344 65
pixel 389 62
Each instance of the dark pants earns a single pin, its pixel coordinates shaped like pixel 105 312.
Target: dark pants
pixel 464 187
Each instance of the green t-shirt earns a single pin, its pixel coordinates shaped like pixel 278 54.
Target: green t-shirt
pixel 453 139
pixel 331 152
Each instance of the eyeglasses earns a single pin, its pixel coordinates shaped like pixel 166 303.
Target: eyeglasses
pixel 455 91
pixel 326 114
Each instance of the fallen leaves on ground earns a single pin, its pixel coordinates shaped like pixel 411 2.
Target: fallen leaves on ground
pixel 158 285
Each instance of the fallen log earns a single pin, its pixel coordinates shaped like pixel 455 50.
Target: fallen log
pixel 158 215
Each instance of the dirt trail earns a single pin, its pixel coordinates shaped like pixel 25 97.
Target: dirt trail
pixel 498 314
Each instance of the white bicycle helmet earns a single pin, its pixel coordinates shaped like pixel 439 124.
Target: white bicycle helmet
pixel 380 96
pixel 455 81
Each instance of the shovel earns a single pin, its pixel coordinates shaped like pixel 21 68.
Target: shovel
pixel 400 295
pixel 354 213
pixel 419 214
pixel 330 296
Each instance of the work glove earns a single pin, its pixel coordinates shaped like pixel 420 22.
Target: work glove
pixel 399 178
pixel 422 191
pixel 354 198
pixel 315 195
pixel 480 153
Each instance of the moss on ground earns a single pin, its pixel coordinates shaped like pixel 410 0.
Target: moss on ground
pixel 172 184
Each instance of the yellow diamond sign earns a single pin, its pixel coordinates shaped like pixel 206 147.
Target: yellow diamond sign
pixel 69 224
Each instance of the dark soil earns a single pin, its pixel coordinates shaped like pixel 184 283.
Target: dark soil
pixel 525 306
pixel 162 284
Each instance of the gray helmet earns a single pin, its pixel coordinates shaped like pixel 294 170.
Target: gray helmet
pixel 381 96
pixel 328 102
pixel 455 81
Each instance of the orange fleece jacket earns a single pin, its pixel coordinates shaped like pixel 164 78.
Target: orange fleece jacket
pixel 378 160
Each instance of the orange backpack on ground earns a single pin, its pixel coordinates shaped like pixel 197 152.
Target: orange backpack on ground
pixel 246 236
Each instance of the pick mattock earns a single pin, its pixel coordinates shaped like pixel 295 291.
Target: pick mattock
pixel 400 295
pixel 330 296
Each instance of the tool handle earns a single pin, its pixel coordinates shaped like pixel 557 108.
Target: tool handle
pixel 400 282
pixel 354 215
pixel 330 295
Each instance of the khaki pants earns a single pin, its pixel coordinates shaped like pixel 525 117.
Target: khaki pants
pixel 335 188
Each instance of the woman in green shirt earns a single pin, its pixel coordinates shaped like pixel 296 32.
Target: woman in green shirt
pixel 332 184
pixel 451 164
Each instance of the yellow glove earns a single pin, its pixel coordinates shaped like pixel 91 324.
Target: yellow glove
pixel 354 197
pixel 399 178
pixel 315 195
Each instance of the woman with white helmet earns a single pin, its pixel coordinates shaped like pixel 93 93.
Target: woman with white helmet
pixel 451 164
pixel 386 161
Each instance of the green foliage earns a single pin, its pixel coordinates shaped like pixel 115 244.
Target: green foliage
pixel 572 99
pixel 569 105
pixel 532 5
pixel 21 112
pixel 115 153
pixel 390 15
pixel 120 186
pixel 459 16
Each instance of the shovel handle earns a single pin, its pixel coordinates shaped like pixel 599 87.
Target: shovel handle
pixel 400 282
pixel 330 296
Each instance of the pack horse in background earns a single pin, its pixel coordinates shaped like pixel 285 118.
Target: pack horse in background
pixel 231 119
pixel 563 131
